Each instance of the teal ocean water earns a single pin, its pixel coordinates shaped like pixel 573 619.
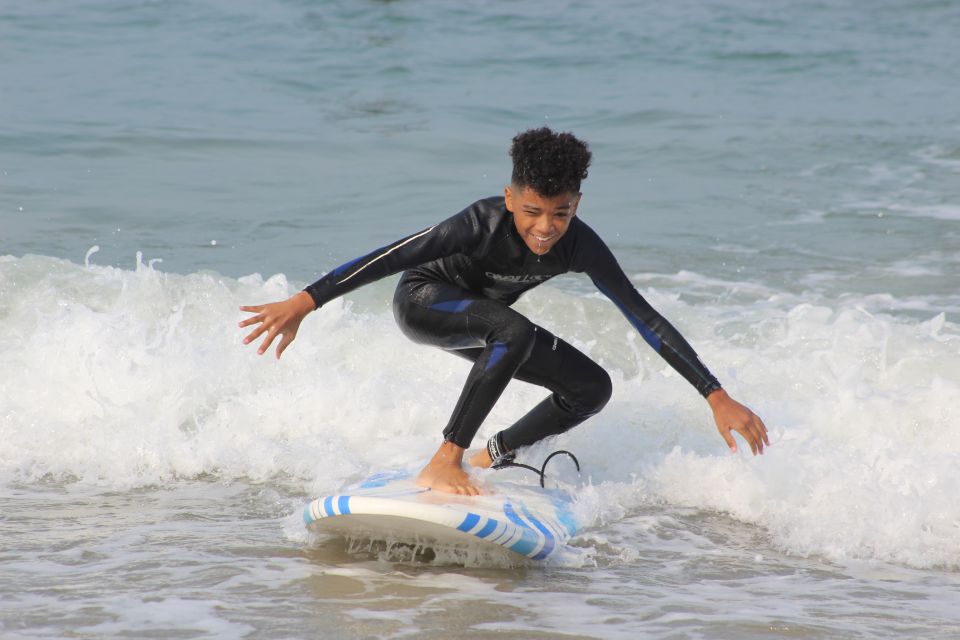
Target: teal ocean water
pixel 780 179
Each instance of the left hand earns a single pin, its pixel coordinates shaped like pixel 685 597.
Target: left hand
pixel 277 319
pixel 730 415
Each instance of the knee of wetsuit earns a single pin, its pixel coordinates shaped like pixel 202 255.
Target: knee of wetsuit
pixel 601 389
pixel 519 337
pixel 592 394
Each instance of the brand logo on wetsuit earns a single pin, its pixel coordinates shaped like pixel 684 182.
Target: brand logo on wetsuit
pixel 520 278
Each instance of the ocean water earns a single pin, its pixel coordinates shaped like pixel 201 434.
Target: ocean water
pixel 780 179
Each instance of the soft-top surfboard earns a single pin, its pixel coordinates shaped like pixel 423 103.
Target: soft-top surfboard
pixel 528 520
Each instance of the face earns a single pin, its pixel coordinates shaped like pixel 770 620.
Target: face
pixel 539 220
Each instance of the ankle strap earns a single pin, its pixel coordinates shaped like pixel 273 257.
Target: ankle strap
pixel 499 454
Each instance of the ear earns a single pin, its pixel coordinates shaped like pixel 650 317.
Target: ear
pixel 576 203
pixel 508 198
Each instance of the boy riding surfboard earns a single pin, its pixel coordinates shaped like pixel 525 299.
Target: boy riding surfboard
pixel 460 278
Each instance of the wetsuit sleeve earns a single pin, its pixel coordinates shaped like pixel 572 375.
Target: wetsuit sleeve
pixel 458 234
pixel 597 261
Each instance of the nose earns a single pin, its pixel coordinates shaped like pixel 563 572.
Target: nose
pixel 544 228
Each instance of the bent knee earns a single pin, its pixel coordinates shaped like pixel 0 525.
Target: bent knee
pixel 593 392
pixel 601 389
pixel 519 336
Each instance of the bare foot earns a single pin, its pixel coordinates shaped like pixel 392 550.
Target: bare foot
pixel 445 472
pixel 481 459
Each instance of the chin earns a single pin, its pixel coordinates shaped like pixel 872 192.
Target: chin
pixel 540 251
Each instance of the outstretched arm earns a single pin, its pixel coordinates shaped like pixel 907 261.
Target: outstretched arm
pixel 277 319
pixel 598 261
pixel 456 234
pixel 730 415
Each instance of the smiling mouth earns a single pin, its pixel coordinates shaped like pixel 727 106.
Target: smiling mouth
pixel 543 244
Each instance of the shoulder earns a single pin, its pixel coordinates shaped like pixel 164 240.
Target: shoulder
pixel 492 208
pixel 483 210
pixel 588 248
pixel 583 235
pixel 485 215
pixel 477 221
pixel 583 231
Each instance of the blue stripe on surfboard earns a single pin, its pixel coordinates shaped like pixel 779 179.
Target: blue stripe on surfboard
pixel 506 531
pixel 549 543
pixel 561 509
pixel 343 505
pixel 524 545
pixel 469 522
pixel 511 514
pixel 328 506
pixel 487 529
pixel 382 479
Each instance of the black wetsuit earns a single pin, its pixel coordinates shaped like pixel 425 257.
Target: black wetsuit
pixel 462 276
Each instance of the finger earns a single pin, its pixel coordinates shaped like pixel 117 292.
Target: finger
pixel 752 435
pixel 252 320
pixel 762 439
pixel 256 308
pixel 748 435
pixel 256 333
pixel 756 444
pixel 267 342
pixel 728 437
pixel 759 432
pixel 763 428
pixel 285 340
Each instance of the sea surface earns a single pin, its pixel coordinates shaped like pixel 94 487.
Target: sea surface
pixel 780 179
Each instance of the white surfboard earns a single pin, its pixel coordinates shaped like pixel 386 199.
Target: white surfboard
pixel 525 519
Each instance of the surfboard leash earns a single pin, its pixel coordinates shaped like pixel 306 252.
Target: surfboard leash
pixel 543 469
pixel 502 458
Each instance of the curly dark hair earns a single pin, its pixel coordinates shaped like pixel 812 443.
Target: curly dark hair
pixel 550 163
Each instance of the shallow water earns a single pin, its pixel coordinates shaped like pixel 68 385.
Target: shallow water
pixel 779 179
pixel 207 560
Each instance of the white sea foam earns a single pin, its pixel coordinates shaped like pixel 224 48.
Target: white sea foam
pixel 137 377
pixel 938 156
pixel 939 211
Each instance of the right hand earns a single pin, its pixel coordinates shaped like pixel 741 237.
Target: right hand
pixel 730 415
pixel 277 319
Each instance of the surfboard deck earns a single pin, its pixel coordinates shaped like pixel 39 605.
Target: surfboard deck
pixel 525 519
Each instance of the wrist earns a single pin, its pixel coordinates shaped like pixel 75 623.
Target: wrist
pixel 304 302
pixel 716 397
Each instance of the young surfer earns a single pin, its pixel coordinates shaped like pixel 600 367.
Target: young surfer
pixel 460 278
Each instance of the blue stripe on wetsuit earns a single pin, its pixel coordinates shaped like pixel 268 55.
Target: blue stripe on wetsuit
pixel 451 306
pixel 346 265
pixel 480 250
pixel 498 351
pixel 648 334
